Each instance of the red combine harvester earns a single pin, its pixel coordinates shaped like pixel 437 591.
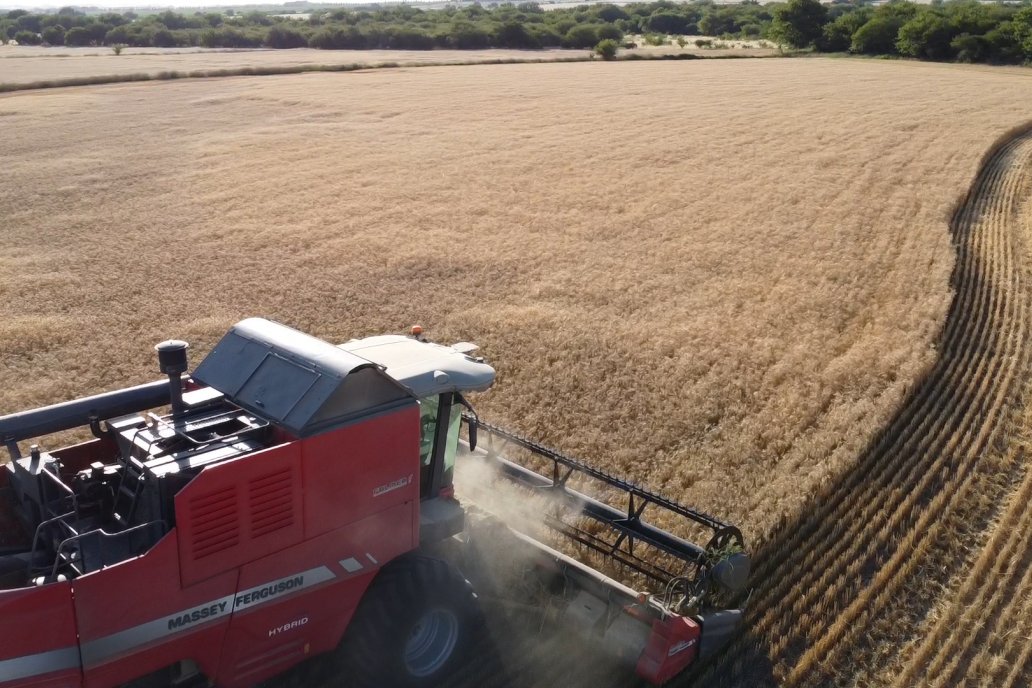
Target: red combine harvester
pixel 298 500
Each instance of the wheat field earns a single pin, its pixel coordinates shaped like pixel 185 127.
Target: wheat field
pixel 31 64
pixel 720 278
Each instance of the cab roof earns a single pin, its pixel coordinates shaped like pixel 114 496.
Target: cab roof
pixel 425 368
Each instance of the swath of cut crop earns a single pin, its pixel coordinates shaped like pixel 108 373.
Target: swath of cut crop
pixel 992 598
pixel 856 574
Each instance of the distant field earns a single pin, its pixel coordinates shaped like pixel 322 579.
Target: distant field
pixel 720 278
pixel 27 64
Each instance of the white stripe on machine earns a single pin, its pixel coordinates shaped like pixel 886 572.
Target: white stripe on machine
pixel 102 649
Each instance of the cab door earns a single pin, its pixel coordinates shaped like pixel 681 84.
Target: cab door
pixel 439 419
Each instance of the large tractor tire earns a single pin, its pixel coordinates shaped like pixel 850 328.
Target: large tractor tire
pixel 414 626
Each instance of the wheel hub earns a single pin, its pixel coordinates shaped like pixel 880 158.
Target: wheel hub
pixel 431 642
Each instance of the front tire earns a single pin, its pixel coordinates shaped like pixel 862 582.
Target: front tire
pixel 414 626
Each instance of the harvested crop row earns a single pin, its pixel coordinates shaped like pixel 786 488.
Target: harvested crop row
pixel 992 597
pixel 840 583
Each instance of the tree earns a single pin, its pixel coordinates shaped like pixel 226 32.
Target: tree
pixel 1005 43
pixel 54 35
pixel 409 38
pixel 172 20
pixel 970 17
pixel 97 31
pixel 30 22
pixel 77 36
pixel 928 36
pixel 112 19
pixel 285 37
pixel 581 36
pixel 27 38
pixel 668 22
pixel 163 38
pixel 259 18
pixel 718 21
pixel 546 36
pixel 606 49
pixel 799 23
pixel 610 13
pixel 970 48
pixel 878 36
pixel 838 35
pixel 117 35
pixel 349 38
pixel 466 36
pixel 513 34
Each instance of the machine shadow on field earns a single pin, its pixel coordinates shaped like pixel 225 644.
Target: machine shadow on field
pixel 814 574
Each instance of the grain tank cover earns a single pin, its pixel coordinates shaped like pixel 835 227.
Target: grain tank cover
pixel 302 383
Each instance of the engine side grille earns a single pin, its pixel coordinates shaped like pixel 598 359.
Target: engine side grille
pixel 216 522
pixel 270 498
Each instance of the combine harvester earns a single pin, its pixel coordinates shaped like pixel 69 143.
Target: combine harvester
pixel 299 500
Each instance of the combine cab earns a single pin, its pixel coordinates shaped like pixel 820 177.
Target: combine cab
pixel 299 499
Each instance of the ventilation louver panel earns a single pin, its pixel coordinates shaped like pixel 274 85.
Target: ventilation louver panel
pixel 271 501
pixel 216 522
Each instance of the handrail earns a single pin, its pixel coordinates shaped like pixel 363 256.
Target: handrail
pixel 39 529
pixel 100 532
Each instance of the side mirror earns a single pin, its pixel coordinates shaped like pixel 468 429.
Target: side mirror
pixel 471 420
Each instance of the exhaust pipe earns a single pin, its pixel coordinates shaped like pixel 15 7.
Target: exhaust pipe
pixel 172 362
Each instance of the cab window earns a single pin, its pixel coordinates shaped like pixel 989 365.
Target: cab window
pixel 429 419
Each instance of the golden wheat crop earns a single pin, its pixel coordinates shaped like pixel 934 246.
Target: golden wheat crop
pixel 719 278
pixel 29 64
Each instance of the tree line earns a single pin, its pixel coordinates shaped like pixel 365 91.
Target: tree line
pixel 960 30
pixel 524 25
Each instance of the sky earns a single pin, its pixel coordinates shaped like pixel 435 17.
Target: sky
pixel 141 4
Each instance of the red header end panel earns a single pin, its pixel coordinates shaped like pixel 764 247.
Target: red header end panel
pixel 39 647
pixel 239 511
pixel 362 469
pixel 672 646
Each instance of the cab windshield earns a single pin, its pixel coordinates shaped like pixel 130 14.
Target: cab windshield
pixel 429 412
